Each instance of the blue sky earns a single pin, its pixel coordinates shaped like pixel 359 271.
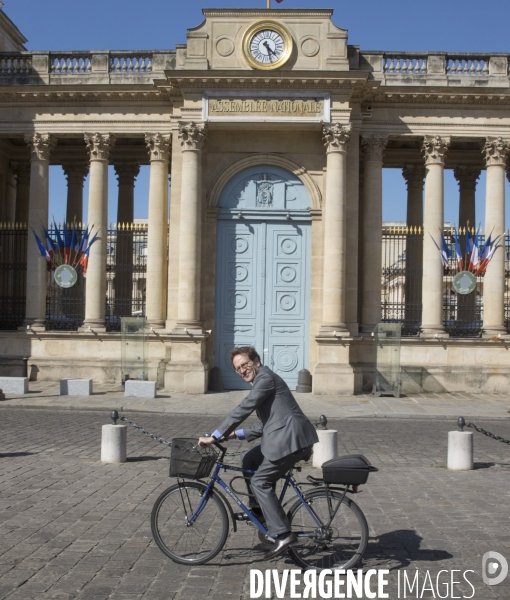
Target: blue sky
pixel 448 25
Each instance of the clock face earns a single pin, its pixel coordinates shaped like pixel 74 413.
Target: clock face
pixel 267 46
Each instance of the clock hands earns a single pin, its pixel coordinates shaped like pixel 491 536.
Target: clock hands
pixel 269 50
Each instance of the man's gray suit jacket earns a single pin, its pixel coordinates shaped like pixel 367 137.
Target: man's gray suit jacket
pixel 284 428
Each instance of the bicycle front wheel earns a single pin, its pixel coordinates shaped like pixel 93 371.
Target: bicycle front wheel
pixel 338 544
pixel 187 527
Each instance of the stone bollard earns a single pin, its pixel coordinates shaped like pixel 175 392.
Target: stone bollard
pixel 304 382
pixel 2 395
pixel 327 446
pixel 113 441
pixel 460 448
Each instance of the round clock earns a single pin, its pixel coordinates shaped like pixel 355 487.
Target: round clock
pixel 267 45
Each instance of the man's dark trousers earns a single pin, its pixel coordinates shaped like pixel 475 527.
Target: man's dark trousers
pixel 263 484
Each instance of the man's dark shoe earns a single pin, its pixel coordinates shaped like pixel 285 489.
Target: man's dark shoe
pixel 281 545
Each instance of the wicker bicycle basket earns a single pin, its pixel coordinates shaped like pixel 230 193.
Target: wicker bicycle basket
pixel 190 461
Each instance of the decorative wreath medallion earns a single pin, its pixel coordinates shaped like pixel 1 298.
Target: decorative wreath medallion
pixel 65 276
pixel 267 45
pixel 464 282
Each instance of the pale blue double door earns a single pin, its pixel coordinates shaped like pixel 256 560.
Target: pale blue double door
pixel 262 295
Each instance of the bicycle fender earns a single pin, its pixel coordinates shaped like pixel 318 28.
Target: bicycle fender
pixel 226 503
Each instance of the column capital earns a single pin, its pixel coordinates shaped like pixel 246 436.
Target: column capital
pixel 99 145
pixel 127 172
pixel 414 176
pixel 21 170
pixel 496 150
pixel 158 146
pixel 466 176
pixel 75 172
pixel 373 147
pixel 336 136
pixel 434 148
pixel 41 145
pixel 192 135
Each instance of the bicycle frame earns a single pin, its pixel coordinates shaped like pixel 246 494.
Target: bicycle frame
pixel 289 482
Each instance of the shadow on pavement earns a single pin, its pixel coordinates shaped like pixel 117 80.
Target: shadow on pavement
pixel 15 454
pixel 402 546
pixel 145 458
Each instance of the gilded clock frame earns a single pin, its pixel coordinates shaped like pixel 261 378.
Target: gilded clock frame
pixel 253 30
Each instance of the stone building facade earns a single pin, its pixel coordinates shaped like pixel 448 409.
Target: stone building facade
pixel 275 132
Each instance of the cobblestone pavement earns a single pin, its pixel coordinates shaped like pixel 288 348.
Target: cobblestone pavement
pixel 71 527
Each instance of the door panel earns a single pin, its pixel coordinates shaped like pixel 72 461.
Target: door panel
pixel 262 296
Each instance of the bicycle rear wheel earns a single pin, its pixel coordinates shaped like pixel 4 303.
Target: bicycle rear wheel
pixel 339 546
pixel 184 541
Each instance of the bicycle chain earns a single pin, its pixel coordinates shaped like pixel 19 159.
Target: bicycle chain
pixel 160 439
pixel 489 434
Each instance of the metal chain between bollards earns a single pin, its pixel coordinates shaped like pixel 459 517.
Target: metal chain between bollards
pixel 461 423
pixel 115 415
pixel 489 434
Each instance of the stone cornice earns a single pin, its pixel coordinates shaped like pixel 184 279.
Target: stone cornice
pixel 82 96
pixel 199 80
pixel 264 12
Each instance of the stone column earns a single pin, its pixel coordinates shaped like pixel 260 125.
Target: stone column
pixel 159 152
pixel 352 290
pixel 336 138
pixel 99 146
pixel 373 148
pixel 192 137
pixel 126 175
pixel 496 151
pixel 467 177
pixel 434 149
pixel 75 173
pixel 41 145
pixel 22 172
pixel 414 176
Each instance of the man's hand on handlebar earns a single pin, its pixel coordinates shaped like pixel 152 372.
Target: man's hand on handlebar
pixel 208 440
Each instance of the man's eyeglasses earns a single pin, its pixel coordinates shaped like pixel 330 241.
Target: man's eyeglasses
pixel 241 368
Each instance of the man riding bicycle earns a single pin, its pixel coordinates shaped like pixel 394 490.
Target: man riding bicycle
pixel 287 437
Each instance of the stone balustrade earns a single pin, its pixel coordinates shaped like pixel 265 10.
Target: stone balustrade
pixel 15 64
pixel 409 64
pixel 122 63
pixel 408 68
pixel 32 68
pixel 467 65
pixel 70 63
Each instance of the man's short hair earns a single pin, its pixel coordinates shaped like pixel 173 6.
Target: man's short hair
pixel 248 350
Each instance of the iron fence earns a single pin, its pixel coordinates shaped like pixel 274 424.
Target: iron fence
pixel 402 285
pixel 13 274
pixel 65 307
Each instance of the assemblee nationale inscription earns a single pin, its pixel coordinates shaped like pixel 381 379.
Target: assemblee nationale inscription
pixel 267 108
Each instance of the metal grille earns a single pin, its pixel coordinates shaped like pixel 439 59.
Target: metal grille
pixel 13 274
pixel 402 286
pixel 65 308
pixel 402 251
pixel 126 273
pixel 462 315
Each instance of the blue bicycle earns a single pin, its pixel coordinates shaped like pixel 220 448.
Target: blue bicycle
pixel 190 520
